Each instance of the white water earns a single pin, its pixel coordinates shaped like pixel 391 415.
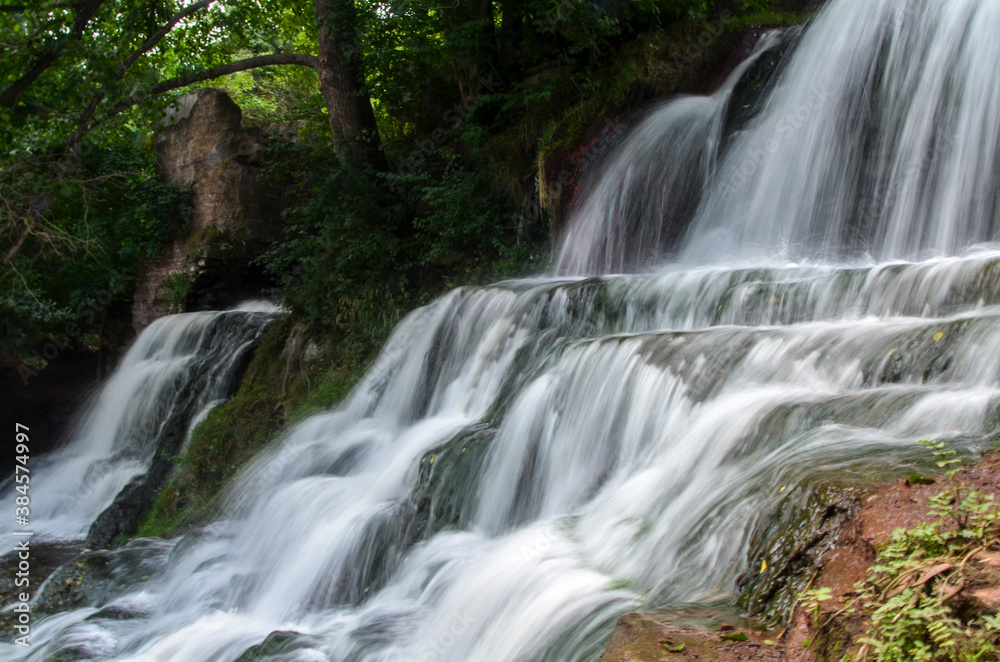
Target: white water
pixel 177 366
pixel 881 140
pixel 653 182
pixel 896 160
pixel 528 461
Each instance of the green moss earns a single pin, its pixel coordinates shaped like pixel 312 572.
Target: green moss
pixel 267 401
pixel 165 516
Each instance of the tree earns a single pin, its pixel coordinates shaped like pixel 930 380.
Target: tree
pixel 341 80
pixel 338 63
pixel 82 84
pixel 471 42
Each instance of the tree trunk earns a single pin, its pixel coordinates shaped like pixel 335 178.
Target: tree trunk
pixel 472 44
pixel 341 81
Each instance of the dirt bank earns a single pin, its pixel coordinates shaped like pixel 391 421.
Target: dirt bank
pixel 662 636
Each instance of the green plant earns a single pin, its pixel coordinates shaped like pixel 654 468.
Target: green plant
pixel 812 599
pixel 177 286
pixel 910 599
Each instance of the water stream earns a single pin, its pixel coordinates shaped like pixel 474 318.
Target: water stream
pixel 178 367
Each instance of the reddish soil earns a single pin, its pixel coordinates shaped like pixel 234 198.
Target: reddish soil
pixel 652 637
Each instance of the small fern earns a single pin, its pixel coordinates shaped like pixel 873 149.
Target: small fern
pixel 906 597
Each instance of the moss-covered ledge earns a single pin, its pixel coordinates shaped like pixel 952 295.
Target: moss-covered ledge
pixel 295 371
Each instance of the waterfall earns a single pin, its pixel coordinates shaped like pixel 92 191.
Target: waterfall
pixel 653 183
pixel 177 368
pixel 527 462
pixel 880 140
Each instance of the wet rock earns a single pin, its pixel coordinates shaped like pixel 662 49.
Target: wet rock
pixel 276 647
pixel 805 529
pixel 46 558
pixel 124 515
pixel 97 578
pixel 650 638
pixel 758 80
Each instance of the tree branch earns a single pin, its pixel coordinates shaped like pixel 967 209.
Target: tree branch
pixel 157 36
pixel 257 62
pixel 300 59
pixel 84 121
pixel 86 10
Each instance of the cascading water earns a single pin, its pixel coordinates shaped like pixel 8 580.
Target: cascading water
pixel 528 461
pixel 178 367
pixel 652 185
pixel 880 140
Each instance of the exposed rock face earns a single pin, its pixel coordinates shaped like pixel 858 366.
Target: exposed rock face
pixel 235 216
pixel 206 149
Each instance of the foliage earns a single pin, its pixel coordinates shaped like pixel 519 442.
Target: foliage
pixel 388 240
pixel 460 212
pixel 78 102
pixel 341 223
pixel 83 244
pixel 80 206
pixel 909 598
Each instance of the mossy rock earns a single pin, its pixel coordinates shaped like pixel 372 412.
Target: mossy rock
pixel 95 578
pixel 278 646
pixel 294 372
pixel 805 527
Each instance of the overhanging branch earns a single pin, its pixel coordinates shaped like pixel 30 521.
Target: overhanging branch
pixel 157 36
pixel 85 120
pixel 299 59
pixel 85 11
